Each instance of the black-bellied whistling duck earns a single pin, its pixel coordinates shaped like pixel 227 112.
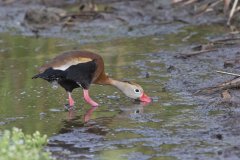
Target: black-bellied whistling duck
pixel 75 69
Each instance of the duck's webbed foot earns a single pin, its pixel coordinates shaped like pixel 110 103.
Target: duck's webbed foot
pixel 67 107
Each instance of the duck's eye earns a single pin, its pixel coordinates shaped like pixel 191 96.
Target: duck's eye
pixel 136 90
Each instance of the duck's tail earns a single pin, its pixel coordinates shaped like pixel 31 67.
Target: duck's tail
pixel 41 75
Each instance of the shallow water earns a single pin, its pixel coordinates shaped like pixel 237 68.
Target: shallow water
pixel 169 128
pixel 34 105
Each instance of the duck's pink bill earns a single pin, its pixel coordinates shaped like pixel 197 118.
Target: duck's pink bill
pixel 145 98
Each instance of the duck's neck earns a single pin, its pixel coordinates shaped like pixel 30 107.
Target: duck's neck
pixel 118 84
pixel 110 81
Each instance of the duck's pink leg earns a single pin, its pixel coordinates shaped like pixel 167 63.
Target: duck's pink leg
pixel 70 100
pixel 88 98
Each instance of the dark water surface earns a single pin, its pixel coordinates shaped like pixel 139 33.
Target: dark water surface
pixel 169 128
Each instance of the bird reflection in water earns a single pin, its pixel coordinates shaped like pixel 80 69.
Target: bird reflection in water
pixel 136 108
pixel 76 121
pixel 71 114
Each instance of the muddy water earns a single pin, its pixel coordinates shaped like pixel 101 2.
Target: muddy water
pixel 169 128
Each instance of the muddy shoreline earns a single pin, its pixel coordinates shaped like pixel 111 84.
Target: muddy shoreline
pixel 110 19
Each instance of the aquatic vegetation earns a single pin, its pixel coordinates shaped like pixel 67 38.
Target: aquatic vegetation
pixel 16 145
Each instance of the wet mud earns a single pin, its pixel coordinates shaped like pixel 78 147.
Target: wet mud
pixel 172 52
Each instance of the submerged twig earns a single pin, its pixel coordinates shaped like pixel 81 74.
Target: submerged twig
pixel 234 83
pixel 233 74
pixel 226 39
pixel 206 7
pixel 232 11
pixel 183 2
pixel 231 84
pixel 226 6
pixel 196 53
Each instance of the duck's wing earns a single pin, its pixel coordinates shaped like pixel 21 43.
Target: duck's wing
pixel 82 73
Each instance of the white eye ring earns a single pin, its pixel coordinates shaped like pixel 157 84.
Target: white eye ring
pixel 136 90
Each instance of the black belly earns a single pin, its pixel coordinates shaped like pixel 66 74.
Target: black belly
pixel 75 76
pixel 68 85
